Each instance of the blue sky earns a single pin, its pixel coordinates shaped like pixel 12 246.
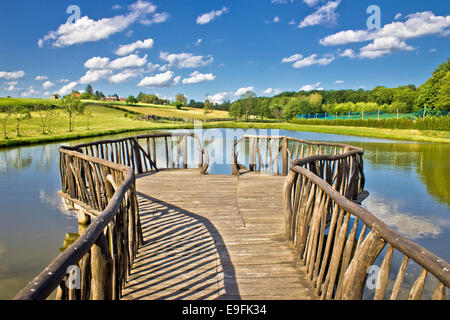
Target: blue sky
pixel 217 48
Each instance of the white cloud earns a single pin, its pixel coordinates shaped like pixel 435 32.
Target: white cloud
pixel 292 58
pixel 14 75
pixel 156 18
pixel 65 90
pixel 392 36
pixel 220 97
pixel 152 67
pixel 128 62
pixel 300 62
pixel 310 87
pixel 348 53
pixel 185 60
pixel 311 3
pixel 339 81
pixel 382 46
pixel 325 14
pixel 276 19
pixel 88 30
pixel 117 7
pixel 272 91
pixel 398 16
pixel 97 63
pixel 210 16
pixel 197 43
pixel 95 75
pixel 244 90
pixel 63 80
pixel 197 77
pixel 47 85
pixel 125 49
pixel 29 92
pixel 161 80
pixel 123 76
pixel 41 78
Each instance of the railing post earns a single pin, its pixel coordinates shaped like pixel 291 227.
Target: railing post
pixel 285 156
pixel 185 153
pixel 137 155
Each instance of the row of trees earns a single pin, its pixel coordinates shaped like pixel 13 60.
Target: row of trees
pixel 70 104
pixel 433 95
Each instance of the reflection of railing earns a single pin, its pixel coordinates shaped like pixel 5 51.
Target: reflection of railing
pixel 338 240
pixel 98 180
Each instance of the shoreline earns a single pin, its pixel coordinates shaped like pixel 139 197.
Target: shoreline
pixel 391 134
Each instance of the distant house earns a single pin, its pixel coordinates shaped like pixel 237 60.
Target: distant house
pixel 109 99
pixel 54 97
pixel 123 99
pixel 76 94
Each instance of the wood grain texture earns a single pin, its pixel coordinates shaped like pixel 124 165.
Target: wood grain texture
pixel 214 237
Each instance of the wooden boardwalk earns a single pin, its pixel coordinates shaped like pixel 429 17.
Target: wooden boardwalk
pixel 214 237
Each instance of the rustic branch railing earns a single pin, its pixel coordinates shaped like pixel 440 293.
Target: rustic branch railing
pixel 146 153
pixel 338 240
pixel 98 179
pixel 266 153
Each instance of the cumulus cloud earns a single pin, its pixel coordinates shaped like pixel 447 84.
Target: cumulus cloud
pixel 126 49
pixel 392 37
pixel 123 76
pixel 220 97
pixel 298 61
pixel 210 16
pixel 89 30
pixel 348 53
pixel 272 91
pixel 41 78
pixel 65 90
pixel 97 63
pixel 310 87
pixel 161 80
pixel 128 62
pixel 197 77
pixel 241 91
pixel 156 18
pixel 47 85
pixel 95 75
pixel 325 14
pixel 14 75
pixel 185 60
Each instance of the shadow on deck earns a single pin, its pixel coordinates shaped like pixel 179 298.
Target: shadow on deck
pixel 199 245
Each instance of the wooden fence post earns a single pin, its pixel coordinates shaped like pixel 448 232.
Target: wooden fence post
pixel 285 156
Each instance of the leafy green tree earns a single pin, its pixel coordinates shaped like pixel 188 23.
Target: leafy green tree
pixel 236 110
pixel 207 109
pixel 443 96
pixel 73 106
pixel 131 100
pixel 249 104
pixel 181 99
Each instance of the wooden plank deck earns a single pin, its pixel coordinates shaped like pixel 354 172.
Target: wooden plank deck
pixel 214 237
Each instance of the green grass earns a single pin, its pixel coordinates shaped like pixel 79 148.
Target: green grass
pixel 27 102
pixel 107 120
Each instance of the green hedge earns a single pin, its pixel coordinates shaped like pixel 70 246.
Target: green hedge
pixel 429 123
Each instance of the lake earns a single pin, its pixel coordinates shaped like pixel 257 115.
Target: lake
pixel 409 185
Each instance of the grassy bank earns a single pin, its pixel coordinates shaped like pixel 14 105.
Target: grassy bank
pixel 105 121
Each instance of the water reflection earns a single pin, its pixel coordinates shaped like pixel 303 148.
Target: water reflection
pixel 409 185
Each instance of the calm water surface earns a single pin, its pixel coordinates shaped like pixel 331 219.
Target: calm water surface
pixel 409 185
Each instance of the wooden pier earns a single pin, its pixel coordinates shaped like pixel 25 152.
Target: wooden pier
pixel 286 225
pixel 214 237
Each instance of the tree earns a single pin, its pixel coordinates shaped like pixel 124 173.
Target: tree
pixel 89 90
pixel 131 100
pixel 443 96
pixel 43 111
pixel 207 109
pixel 248 104
pixel 181 99
pixel 73 106
pixel 21 113
pixel 6 112
pixel 236 110
pixel 88 113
